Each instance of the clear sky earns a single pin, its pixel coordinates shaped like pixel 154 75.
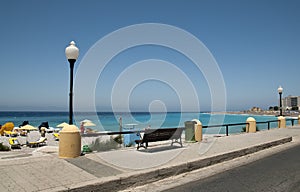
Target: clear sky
pixel 256 44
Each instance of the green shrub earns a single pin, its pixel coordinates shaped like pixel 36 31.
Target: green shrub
pixel 118 139
pixel 98 145
pixel 4 147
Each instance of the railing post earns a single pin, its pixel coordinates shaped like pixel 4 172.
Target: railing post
pixel 281 122
pixel 251 125
pixel 198 130
pixel 226 130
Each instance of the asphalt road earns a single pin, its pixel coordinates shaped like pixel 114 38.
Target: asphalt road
pixel 276 173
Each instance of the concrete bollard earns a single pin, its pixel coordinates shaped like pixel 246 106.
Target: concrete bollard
pixel 281 122
pixel 251 126
pixel 69 142
pixel 198 130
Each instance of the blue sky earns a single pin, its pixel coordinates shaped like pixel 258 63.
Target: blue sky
pixel 256 45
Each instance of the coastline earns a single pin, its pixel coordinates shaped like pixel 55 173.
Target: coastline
pixel 110 121
pixel 262 113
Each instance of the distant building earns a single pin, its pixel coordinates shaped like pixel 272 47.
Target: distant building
pixel 256 109
pixel 290 102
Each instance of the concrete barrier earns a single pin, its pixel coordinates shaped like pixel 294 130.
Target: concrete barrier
pixel 281 122
pixel 69 142
pixel 198 130
pixel 251 126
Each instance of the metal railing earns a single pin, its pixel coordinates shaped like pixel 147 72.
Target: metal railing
pixel 112 133
pixel 292 120
pixel 204 126
pixel 224 125
pixel 268 122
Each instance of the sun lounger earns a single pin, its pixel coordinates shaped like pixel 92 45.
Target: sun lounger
pixel 56 136
pixel 14 143
pixel 23 133
pixel 38 143
pixel 11 133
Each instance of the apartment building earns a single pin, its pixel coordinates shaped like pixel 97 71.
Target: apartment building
pixel 291 101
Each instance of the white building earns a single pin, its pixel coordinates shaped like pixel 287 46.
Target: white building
pixel 291 101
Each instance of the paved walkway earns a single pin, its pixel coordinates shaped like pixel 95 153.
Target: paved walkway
pixel 40 169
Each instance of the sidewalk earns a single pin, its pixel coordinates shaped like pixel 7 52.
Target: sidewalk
pixel 42 170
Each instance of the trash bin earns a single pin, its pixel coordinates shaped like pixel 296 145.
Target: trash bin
pixel 129 139
pixel 189 131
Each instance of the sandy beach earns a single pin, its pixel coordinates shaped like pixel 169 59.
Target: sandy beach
pixel 31 137
pixel 51 143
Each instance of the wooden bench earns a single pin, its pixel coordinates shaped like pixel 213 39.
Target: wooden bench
pixel 153 135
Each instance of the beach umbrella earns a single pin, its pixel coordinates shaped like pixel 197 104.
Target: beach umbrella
pixel 85 121
pixel 62 124
pixel 28 128
pixel 89 124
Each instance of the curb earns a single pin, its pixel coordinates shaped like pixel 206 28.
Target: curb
pixel 126 180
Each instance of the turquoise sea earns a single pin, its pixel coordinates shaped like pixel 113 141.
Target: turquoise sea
pixel 108 121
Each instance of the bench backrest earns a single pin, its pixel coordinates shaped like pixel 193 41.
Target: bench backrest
pixel 162 134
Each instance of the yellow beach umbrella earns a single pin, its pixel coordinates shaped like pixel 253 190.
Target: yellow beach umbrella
pixel 28 128
pixel 62 124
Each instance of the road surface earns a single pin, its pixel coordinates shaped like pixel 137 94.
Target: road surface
pixel 278 172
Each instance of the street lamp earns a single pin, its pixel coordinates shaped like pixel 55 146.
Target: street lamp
pixel 72 53
pixel 280 89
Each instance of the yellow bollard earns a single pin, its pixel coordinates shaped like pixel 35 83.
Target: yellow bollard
pixel 69 142
pixel 198 130
pixel 251 126
pixel 281 122
pixel 299 120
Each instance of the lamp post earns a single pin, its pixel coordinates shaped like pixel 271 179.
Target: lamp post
pixel 280 89
pixel 72 53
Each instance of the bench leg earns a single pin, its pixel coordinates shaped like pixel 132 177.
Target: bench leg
pixel 176 141
pixel 180 142
pixel 141 144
